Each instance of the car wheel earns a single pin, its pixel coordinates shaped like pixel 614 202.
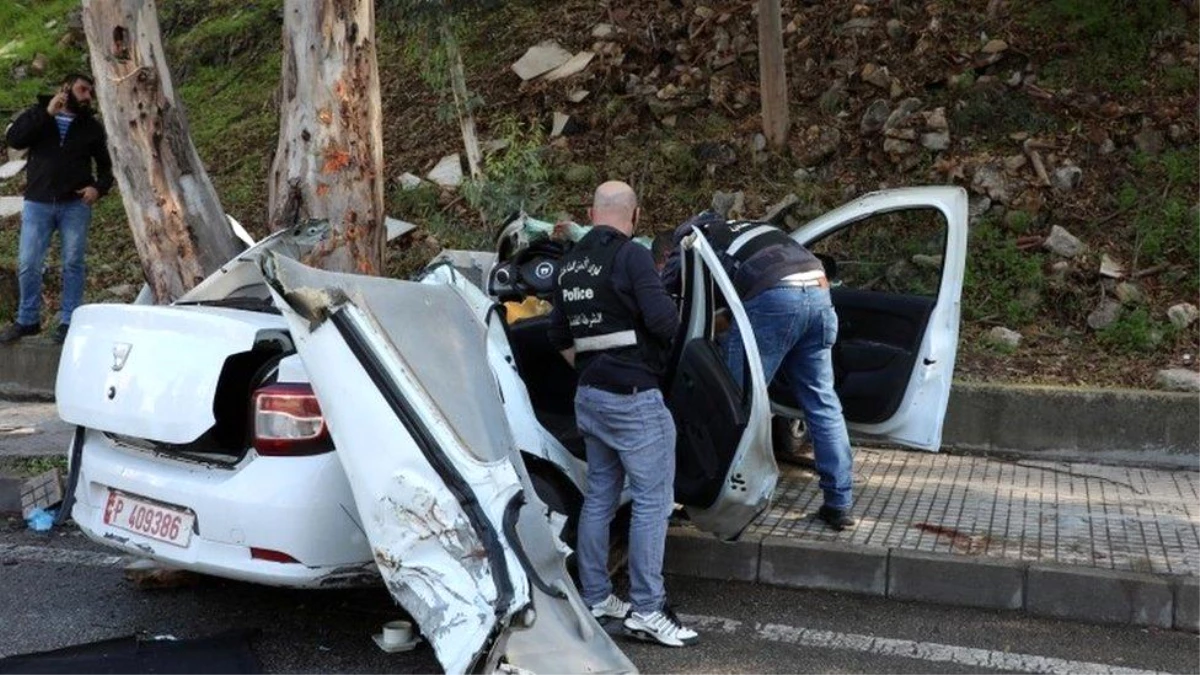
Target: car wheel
pixel 790 442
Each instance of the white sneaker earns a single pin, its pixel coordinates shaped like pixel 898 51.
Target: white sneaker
pixel 612 608
pixel 662 627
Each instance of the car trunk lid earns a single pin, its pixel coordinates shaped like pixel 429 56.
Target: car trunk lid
pixel 151 372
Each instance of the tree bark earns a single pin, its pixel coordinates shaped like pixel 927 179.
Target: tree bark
pixel 772 76
pixel 462 101
pixel 329 163
pixel 179 227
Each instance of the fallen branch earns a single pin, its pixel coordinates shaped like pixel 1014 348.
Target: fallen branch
pixel 1151 271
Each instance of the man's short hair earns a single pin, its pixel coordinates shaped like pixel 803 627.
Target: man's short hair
pixel 660 248
pixel 72 78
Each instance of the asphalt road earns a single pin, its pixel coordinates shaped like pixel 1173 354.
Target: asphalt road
pixel 57 590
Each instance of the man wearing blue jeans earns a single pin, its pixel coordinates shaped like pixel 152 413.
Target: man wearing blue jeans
pixel 786 297
pixel 64 139
pixel 614 322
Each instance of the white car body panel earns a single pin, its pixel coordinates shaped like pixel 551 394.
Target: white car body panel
pixel 278 491
pixel 753 474
pixel 429 456
pixel 918 421
pixel 108 373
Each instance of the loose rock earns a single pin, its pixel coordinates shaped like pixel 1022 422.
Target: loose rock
pixel 989 179
pixel 1183 315
pixel 977 205
pixel 602 31
pixel 409 181
pixel 11 206
pixel 938 140
pixel 907 107
pixel 874 118
pixel 729 204
pixel 1104 315
pixel 540 59
pixel 995 47
pixel 896 29
pixel 1178 379
pixel 1067 178
pixel 10 169
pixel 816 144
pixel 1130 293
pixel 1111 268
pixel 1063 243
pixel 779 210
pixel 877 76
pixel 1004 338
pixel 448 172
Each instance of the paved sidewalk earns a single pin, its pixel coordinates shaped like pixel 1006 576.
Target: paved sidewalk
pixel 1074 540
pixel 1108 517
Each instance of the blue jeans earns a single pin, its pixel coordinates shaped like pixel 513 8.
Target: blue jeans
pixel 795 329
pixel 630 435
pixel 39 220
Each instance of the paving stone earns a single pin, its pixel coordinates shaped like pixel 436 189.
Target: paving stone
pixel 956 580
pixel 1099 596
pixel 836 567
pixel 1187 605
pixel 1105 517
pixel 697 554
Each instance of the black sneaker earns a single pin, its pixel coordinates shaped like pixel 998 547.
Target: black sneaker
pixel 16 331
pixel 60 333
pixel 838 519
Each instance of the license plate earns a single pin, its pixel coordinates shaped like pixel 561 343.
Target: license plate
pixel 149 519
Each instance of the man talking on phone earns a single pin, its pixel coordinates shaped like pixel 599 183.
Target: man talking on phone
pixel 64 140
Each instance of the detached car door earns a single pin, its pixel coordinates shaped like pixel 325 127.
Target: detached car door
pixel 898 259
pixel 725 472
pixel 463 543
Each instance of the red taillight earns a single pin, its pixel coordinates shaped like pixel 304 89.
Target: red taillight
pixel 272 556
pixel 288 422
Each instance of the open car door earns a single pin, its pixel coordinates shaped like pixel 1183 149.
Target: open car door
pixel 463 543
pixel 725 472
pixel 898 259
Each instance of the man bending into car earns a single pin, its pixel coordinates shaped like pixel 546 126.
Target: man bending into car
pixel 613 321
pixel 786 296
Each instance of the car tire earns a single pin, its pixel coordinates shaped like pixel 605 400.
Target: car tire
pixel 790 442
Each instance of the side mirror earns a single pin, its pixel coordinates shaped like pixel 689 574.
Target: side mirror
pixel 830 265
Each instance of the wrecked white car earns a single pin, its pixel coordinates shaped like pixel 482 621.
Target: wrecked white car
pixel 206 429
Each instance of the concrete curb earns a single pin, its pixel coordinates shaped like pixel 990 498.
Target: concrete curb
pixel 1040 589
pixel 28 369
pixel 1069 423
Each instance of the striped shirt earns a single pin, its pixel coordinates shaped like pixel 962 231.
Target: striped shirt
pixel 64 122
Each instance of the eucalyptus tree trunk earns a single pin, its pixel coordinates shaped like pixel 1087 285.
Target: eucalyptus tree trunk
pixel 178 225
pixel 329 162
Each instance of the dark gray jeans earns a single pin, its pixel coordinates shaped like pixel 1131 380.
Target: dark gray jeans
pixel 634 436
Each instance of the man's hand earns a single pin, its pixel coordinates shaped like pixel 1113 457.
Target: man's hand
pixel 89 195
pixel 57 104
pixel 688 241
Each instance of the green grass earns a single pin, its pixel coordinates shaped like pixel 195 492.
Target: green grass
pixel 1003 284
pixel 1111 38
pixel 24 36
pixel 1136 332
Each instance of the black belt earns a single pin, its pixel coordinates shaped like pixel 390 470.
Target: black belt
pixel 624 389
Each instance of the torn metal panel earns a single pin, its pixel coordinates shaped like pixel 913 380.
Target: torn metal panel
pixel 415 412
